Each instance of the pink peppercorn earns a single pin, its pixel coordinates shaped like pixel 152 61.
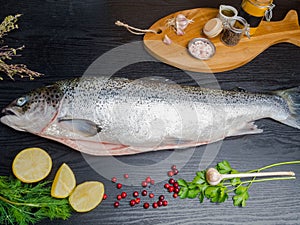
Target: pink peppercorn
pixel 151 195
pixel 132 202
pixel 104 197
pixel 144 184
pixel 123 194
pixel 170 173
pixel 146 205
pixel 175 185
pixel 171 189
pixel 137 200
pixel 171 181
pixel 161 197
pixel 175 172
pixel 148 179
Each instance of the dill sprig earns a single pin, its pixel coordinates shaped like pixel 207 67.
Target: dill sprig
pixel 29 203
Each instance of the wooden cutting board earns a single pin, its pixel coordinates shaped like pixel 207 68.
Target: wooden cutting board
pixel 226 58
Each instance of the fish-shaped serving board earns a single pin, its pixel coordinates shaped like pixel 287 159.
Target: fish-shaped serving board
pixel 225 58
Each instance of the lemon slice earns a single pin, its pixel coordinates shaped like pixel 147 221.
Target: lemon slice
pixel 64 182
pixel 87 196
pixel 32 165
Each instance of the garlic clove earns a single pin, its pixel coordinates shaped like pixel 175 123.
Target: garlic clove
pixel 167 40
pixel 179 32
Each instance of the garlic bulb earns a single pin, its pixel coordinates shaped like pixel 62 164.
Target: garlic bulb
pixel 179 24
pixel 182 22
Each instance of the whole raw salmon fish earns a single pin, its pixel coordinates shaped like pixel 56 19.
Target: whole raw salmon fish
pixel 117 116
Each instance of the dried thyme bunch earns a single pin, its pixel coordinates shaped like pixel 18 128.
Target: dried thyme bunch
pixel 6 53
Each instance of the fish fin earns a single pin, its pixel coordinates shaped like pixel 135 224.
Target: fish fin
pixel 82 127
pixel 96 148
pixel 248 128
pixel 100 148
pixel 292 98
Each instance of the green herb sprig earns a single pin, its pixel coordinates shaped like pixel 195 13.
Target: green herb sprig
pixel 201 189
pixel 28 204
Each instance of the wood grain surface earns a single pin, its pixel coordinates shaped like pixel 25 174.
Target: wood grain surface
pixel 63 38
pixel 225 58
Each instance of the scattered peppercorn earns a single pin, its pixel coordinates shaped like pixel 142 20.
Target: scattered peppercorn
pixel 151 195
pixel 146 205
pixel 123 194
pixel 132 202
pixel 171 181
pixel 170 173
pixel 144 183
pixel 161 197
pixel 159 203
pixel 148 179
pixel 104 196
pixel 137 200
pixel 171 189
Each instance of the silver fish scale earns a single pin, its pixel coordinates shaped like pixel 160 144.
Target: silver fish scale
pixel 117 116
pixel 145 113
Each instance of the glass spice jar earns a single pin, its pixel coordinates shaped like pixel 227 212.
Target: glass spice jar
pixel 254 11
pixel 234 30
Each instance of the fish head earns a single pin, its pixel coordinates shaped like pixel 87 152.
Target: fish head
pixel 32 112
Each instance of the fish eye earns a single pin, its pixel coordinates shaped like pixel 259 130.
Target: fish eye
pixel 21 101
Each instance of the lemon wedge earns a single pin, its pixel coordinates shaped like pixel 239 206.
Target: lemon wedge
pixel 87 196
pixel 64 182
pixel 32 165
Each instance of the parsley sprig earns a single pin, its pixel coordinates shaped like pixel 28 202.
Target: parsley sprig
pixel 201 189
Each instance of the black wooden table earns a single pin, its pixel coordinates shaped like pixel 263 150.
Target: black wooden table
pixel 63 38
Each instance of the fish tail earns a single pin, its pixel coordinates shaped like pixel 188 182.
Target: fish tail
pixel 292 98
